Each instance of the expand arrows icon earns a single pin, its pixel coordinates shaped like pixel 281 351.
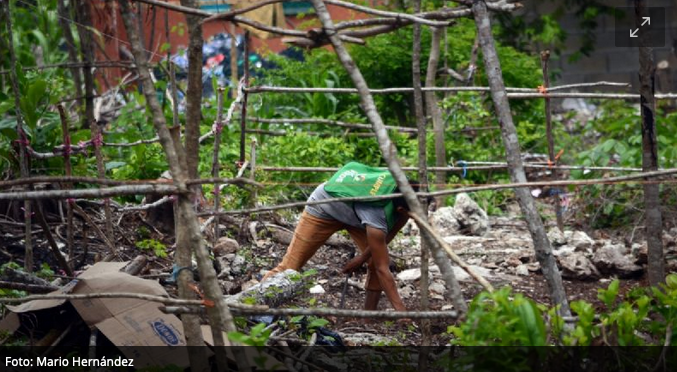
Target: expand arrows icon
pixel 645 21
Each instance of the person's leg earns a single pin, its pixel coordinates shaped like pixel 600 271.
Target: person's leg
pixel 373 285
pixel 309 235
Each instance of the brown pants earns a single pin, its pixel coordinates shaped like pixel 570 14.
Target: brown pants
pixel 310 234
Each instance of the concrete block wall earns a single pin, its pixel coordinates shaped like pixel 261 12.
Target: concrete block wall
pixel 608 62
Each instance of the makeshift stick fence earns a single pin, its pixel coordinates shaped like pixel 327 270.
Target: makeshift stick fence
pixel 389 21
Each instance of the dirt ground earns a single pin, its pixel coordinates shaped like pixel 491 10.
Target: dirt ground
pixel 257 258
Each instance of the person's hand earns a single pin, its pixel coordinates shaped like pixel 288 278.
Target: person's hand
pixel 354 264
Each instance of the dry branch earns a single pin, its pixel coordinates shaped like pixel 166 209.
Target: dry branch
pixel 327 122
pixel 91 193
pixel 24 170
pixel 382 13
pixel 526 202
pixel 388 149
pixel 454 257
pixel 600 181
pixel 30 288
pixel 328 312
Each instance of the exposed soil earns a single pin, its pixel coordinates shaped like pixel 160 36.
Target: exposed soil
pixel 131 228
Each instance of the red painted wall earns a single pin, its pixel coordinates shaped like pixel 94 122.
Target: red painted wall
pixel 108 22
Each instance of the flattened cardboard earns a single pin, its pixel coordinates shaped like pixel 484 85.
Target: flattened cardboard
pixel 124 321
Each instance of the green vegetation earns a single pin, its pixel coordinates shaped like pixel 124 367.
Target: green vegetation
pixel 504 318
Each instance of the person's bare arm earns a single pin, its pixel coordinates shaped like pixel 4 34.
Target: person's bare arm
pixel 359 260
pixel 379 254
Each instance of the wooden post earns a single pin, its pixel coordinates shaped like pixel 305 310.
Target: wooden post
pixel 542 246
pixel 389 151
pixel 243 119
pixel 97 141
pixel 545 57
pixel 24 170
pixel 188 234
pixel 218 127
pixel 652 203
pixel 434 111
pixel 193 97
pixel 252 172
pixel 419 115
pixel 234 78
pixel 64 16
pixel 69 172
pixel 84 26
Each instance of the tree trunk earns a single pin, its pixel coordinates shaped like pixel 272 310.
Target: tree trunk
pixel 84 18
pixel 188 235
pixel 64 15
pixel 545 57
pixel 435 113
pixel 193 94
pixel 654 218
pixel 512 148
pixel 389 151
pixel 422 179
pixel 24 169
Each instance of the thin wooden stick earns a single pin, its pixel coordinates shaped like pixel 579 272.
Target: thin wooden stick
pixel 68 185
pixel 216 165
pixel 252 172
pixel 109 182
pixel 341 313
pixel 635 178
pixel 24 169
pixel 423 178
pixel 383 13
pixel 92 193
pixel 245 98
pixel 101 172
pixel 337 123
pixel 102 235
pixel 454 257
pixel 545 57
pixel 52 243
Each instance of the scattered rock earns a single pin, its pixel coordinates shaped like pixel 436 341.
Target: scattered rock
pixel 534 267
pixel 409 275
pixel 444 221
pixel 576 266
pixel 579 240
pixel 609 259
pixel 407 291
pixel 470 216
pixel 225 245
pixel 556 237
pixel 437 288
pixel 513 261
pixel 563 250
pixel 317 289
pixel 363 338
pixel 641 253
pixel 522 270
pixel 237 264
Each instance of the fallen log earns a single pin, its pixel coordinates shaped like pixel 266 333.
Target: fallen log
pixel 135 266
pixel 273 292
pixel 20 277
pixel 30 288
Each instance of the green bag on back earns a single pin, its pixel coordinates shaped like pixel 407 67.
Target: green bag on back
pixel 355 179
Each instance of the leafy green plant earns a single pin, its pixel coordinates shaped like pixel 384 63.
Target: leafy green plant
pixel 258 336
pixel 156 246
pixel 501 318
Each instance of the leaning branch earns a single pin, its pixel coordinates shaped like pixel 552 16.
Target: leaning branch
pixel 326 312
pixel 383 13
pixel 636 178
pixel 91 193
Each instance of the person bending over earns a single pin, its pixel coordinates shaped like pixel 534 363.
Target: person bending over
pixel 371 225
